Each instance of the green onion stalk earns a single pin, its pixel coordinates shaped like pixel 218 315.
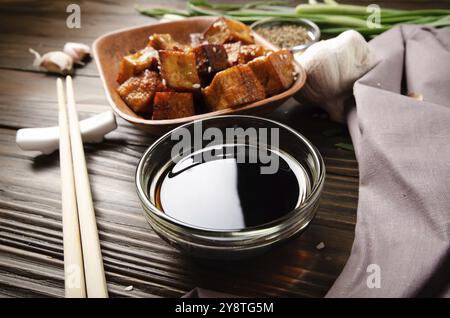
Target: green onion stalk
pixel 332 18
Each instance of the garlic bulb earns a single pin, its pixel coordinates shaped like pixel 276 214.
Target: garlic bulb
pixel 332 67
pixel 78 51
pixel 55 62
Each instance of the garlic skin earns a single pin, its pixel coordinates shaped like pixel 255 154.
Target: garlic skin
pixel 332 67
pixel 78 51
pixel 54 62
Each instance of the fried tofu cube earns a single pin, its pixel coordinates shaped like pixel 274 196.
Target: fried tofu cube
pixel 210 59
pixel 233 50
pixel 135 63
pixel 232 87
pixel 138 91
pixel 170 105
pixel 224 30
pixel 197 39
pixel 179 71
pixel 242 54
pixel 275 71
pixel 164 42
pixel 250 52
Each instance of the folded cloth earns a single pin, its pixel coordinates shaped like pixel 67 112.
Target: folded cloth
pixel 401 133
pixel 402 144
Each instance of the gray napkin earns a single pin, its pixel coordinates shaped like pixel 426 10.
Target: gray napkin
pixel 402 242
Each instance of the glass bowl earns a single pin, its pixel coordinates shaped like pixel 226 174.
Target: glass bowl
pixel 229 244
pixel 313 31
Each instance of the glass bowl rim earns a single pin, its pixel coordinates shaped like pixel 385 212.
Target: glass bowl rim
pixel 266 228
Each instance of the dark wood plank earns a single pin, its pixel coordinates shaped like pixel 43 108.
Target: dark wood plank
pixel 30 223
pixel 31 260
pixel 30 208
pixel 45 28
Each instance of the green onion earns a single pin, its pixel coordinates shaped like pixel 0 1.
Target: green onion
pixel 201 10
pixel 364 31
pixel 400 19
pixel 263 13
pixel 235 6
pixel 429 12
pixel 442 22
pixel 344 146
pixel 341 9
pixel 337 20
pixel 157 12
pixel 332 18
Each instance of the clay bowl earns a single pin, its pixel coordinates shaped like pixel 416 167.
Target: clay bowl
pixel 110 48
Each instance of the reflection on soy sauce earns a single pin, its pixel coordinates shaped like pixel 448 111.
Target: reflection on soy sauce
pixel 228 191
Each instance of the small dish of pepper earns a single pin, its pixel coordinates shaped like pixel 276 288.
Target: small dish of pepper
pixel 295 35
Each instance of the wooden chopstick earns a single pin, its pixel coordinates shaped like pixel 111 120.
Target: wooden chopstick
pixel 73 259
pixel 92 256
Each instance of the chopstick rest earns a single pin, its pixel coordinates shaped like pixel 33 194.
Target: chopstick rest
pixel 46 140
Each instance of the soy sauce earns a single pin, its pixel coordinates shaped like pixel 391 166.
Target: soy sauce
pixel 228 194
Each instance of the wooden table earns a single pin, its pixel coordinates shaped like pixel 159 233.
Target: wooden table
pixel 31 252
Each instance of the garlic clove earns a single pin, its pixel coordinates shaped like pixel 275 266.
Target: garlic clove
pixel 37 58
pixel 332 66
pixel 78 51
pixel 54 62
